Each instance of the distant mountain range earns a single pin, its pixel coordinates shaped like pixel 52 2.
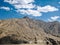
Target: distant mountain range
pixel 29 31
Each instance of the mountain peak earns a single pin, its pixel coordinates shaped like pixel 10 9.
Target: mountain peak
pixel 25 17
pixel 26 31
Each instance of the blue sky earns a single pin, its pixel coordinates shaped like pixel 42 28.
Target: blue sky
pixel 47 10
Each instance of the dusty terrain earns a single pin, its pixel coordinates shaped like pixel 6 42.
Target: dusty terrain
pixel 29 31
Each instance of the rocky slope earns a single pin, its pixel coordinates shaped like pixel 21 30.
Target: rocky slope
pixel 29 31
pixel 54 28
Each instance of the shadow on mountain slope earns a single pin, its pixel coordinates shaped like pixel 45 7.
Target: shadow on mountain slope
pixel 9 40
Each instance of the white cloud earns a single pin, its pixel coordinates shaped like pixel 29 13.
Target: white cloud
pixel 54 18
pixel 47 8
pixel 5 8
pixel 19 1
pixel 31 12
pixel 28 4
pixel 24 6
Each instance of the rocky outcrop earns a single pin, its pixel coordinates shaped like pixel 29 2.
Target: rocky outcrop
pixel 26 31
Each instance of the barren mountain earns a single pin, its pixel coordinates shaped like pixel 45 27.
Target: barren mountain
pixel 54 28
pixel 29 31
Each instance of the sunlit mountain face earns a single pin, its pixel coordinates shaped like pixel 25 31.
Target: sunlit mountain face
pixel 47 10
pixel 30 22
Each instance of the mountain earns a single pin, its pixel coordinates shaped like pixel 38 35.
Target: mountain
pixel 53 28
pixel 29 31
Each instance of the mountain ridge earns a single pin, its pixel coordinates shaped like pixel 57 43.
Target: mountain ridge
pixel 26 30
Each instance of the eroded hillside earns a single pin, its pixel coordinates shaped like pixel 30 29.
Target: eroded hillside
pixel 27 31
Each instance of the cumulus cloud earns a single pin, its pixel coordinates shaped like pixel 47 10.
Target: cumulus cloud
pixel 28 4
pixel 5 8
pixel 19 1
pixel 47 8
pixel 54 18
pixel 31 12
